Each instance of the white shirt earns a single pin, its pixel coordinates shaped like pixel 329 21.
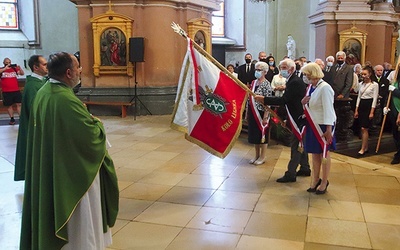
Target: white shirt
pixel 391 76
pixel 321 104
pixel 368 91
pixel 278 81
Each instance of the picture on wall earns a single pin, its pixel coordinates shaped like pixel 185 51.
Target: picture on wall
pixel 113 48
pixel 352 48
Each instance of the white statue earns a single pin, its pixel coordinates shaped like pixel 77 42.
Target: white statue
pixel 291 47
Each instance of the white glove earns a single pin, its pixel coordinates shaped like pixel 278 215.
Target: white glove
pixel 386 110
pixel 391 87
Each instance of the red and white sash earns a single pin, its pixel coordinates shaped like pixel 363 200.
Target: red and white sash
pixel 296 130
pixel 315 126
pixel 256 114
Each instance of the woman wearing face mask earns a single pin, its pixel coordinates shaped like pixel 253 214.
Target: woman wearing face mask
pixel 257 118
pixel 365 106
pixel 273 70
pixel 320 115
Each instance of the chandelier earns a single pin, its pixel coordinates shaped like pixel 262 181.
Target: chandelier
pixel 263 1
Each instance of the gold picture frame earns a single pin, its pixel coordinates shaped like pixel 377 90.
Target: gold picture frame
pixel 111 33
pixel 199 29
pixel 353 42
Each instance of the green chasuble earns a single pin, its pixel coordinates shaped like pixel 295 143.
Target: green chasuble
pixel 396 100
pixel 33 84
pixel 66 149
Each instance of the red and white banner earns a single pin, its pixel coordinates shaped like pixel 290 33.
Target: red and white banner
pixel 209 104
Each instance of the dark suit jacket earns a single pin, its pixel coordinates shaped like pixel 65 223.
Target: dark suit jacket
pixel 294 92
pixel 244 77
pixel 383 88
pixel 328 76
pixel 386 73
pixel 270 74
pixel 342 80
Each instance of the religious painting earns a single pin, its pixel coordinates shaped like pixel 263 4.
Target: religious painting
pixel 111 33
pixel 352 48
pixel 113 48
pixel 200 39
pixel 199 29
pixel 353 42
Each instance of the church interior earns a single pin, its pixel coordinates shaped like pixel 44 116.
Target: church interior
pixel 175 195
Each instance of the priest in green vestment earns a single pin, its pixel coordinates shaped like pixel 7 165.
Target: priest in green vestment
pixel 71 191
pixel 34 82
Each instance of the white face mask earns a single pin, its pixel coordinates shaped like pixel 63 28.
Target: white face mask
pixel 329 64
pixel 306 80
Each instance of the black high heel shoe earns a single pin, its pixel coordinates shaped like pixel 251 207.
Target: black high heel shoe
pixel 322 191
pixel 363 154
pixel 312 190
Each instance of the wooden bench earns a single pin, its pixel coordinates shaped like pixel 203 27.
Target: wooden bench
pixel 124 105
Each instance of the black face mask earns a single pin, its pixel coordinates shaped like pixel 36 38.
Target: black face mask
pixel 297 66
pixel 248 60
pixel 340 62
pixel 264 60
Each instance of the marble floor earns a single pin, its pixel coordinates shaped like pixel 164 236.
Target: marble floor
pixel 174 195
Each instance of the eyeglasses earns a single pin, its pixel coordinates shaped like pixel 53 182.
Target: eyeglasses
pixel 258 70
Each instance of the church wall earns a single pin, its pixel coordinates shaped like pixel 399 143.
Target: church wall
pixel 376 42
pixel 269 24
pixel 293 19
pixel 164 50
pixel 57 33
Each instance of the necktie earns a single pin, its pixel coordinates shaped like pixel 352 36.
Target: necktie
pixel 337 68
pixel 328 69
pixel 248 68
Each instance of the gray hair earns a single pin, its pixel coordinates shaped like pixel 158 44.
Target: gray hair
pixel 341 53
pixel 262 65
pixel 377 66
pixel 358 66
pixel 289 62
pixel 319 61
pixel 330 58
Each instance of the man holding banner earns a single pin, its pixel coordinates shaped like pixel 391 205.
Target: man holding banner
pixel 295 90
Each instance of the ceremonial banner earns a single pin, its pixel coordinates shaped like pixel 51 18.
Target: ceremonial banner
pixel 209 104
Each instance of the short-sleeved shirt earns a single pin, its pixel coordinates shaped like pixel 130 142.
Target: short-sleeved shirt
pixel 9 81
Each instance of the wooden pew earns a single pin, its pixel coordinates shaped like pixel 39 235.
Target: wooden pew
pixel 123 105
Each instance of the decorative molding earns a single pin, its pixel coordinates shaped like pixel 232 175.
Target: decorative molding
pixel 100 24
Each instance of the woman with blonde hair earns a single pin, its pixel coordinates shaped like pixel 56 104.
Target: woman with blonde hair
pixel 321 117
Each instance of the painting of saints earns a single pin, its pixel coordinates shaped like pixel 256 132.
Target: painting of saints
pixel 352 48
pixel 113 42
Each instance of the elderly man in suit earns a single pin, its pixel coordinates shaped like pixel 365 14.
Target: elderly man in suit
pixel 342 76
pixel 295 91
pixel 246 71
pixel 327 77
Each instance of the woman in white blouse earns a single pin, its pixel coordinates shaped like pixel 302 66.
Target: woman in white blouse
pixel 278 84
pixel 321 118
pixel 231 69
pixel 365 106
